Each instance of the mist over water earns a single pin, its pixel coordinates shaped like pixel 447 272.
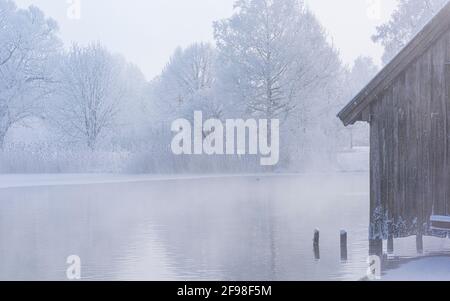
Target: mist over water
pixel 240 228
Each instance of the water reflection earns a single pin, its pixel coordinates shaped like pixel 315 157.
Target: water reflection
pixel 245 228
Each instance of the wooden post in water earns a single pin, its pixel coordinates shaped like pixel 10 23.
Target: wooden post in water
pixel 419 243
pixel 316 237
pixel 344 253
pixel 376 247
pixel 390 245
pixel 316 242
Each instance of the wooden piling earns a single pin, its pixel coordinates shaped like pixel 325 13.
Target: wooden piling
pixel 376 247
pixel 419 243
pixel 316 242
pixel 390 245
pixel 344 251
pixel 316 239
pixel 316 252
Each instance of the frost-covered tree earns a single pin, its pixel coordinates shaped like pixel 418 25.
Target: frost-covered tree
pixel 133 117
pixel 273 54
pixel 362 72
pixel 186 83
pixel 92 90
pixel 28 47
pixel 407 20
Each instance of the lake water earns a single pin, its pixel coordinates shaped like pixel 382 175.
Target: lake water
pixel 222 228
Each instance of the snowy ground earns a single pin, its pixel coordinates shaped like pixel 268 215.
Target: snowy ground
pixel 422 269
pixel 31 180
pixel 36 180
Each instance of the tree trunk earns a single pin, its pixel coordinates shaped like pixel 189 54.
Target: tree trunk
pixel 91 145
pixel 2 141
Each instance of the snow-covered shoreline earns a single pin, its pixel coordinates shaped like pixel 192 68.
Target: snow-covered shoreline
pixel 435 268
pixel 37 180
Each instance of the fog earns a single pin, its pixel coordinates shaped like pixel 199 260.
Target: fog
pixel 147 32
pixel 225 228
pixel 190 140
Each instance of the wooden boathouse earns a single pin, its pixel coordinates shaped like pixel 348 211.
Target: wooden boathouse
pixel 408 108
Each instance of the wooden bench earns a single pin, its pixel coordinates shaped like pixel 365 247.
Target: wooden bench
pixel 440 223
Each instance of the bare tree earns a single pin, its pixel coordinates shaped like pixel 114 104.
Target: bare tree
pixel 186 83
pixel 28 47
pixel 91 94
pixel 273 53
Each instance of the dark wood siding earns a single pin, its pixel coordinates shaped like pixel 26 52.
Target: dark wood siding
pixel 410 146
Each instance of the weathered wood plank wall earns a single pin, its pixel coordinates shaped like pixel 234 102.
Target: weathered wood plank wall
pixel 410 147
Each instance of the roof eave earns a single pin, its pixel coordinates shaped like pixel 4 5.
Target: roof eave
pixel 417 46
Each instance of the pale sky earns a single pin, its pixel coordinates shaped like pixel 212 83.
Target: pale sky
pixel 147 32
